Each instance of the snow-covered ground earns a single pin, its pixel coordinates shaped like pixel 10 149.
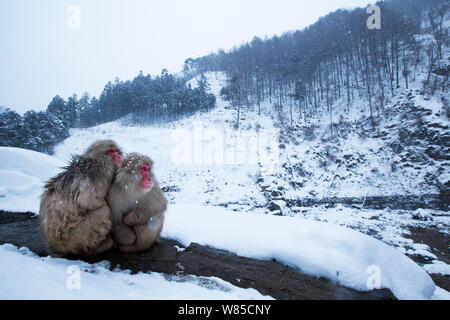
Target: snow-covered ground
pixel 22 175
pixel 215 200
pixel 320 249
pixel 23 275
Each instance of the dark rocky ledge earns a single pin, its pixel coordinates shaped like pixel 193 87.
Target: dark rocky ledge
pixel 399 202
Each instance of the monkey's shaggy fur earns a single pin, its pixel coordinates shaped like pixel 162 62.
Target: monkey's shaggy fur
pixel 138 214
pixel 74 215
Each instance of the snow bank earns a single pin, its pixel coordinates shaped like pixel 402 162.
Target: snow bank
pixel 439 267
pixel 319 249
pixel 22 176
pixel 24 275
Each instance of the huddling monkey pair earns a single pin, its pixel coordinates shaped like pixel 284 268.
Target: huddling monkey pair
pixel 100 200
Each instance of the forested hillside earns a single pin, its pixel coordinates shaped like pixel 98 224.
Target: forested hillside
pixel 149 99
pixel 337 61
pixel 335 68
pixel 361 112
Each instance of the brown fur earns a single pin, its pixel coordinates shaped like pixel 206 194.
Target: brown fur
pixel 74 215
pixel 138 215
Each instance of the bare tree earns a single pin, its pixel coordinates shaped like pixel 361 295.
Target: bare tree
pixel 440 33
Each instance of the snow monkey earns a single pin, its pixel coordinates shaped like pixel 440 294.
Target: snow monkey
pixel 137 204
pixel 74 215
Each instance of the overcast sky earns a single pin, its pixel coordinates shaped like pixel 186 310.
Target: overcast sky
pixel 43 53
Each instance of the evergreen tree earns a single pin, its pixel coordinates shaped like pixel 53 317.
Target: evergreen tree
pixel 10 127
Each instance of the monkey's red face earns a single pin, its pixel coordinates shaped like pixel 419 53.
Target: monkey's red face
pixel 146 181
pixel 115 155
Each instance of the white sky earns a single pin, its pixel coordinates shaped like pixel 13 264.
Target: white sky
pixel 40 57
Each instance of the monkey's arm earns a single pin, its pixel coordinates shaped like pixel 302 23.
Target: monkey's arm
pixel 137 216
pixel 92 233
pixel 154 204
pixel 124 234
pixel 146 235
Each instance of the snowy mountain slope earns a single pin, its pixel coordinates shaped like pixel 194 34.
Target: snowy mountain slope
pixel 405 153
pixel 400 155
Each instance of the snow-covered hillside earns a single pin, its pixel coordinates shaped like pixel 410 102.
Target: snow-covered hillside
pixel 403 154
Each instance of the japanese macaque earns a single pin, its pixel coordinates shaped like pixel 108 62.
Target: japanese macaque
pixel 137 205
pixel 74 215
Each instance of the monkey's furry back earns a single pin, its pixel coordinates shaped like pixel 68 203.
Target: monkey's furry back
pixel 74 216
pixel 78 178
